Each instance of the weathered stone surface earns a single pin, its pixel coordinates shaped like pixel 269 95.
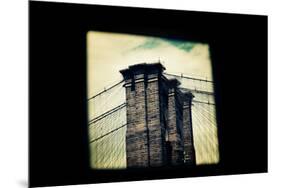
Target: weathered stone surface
pixel 189 152
pixel 175 125
pixel 159 128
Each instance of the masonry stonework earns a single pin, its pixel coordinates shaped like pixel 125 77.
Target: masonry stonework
pixel 158 117
pixel 189 152
pixel 175 123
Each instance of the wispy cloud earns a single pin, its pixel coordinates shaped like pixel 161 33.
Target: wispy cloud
pixel 152 43
pixel 148 44
pixel 186 46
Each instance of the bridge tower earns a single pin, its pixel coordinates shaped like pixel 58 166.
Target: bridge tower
pixel 157 131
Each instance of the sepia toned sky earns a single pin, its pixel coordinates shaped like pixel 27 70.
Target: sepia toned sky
pixel 108 53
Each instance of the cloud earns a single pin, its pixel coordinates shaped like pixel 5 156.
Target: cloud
pixel 186 46
pixel 149 43
pixel 153 42
pixel 110 52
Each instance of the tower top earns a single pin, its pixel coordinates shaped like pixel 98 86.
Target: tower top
pixel 142 68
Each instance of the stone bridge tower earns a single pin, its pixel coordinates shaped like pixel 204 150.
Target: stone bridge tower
pixel 159 126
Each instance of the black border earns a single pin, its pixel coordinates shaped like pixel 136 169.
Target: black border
pixel 58 142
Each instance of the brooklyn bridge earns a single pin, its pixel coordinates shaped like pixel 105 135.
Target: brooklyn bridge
pixel 153 118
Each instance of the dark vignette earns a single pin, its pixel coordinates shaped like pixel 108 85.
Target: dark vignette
pixel 58 139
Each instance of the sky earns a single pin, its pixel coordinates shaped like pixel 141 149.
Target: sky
pixel 108 53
